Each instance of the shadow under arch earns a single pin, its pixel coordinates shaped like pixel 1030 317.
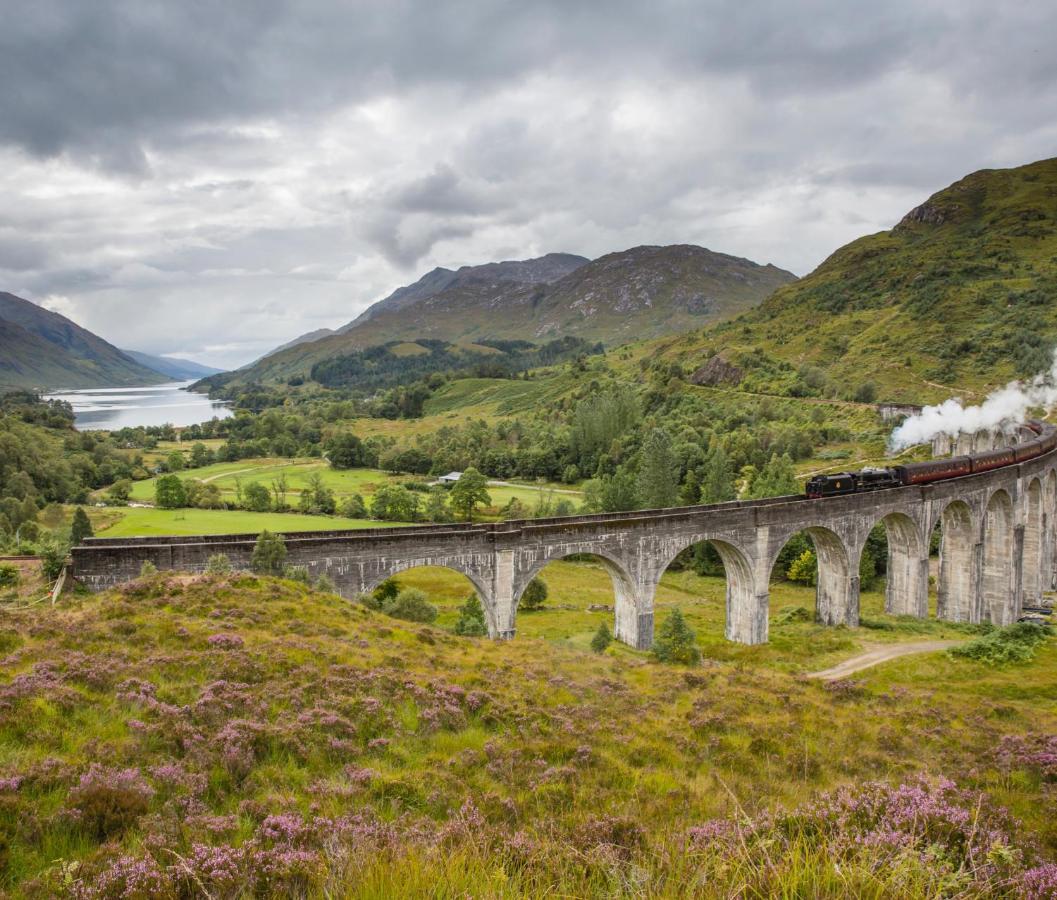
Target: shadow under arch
pixel 955 594
pixel 836 590
pixel 907 568
pixel 629 619
pixel 998 593
pixel 1031 552
pixel 745 612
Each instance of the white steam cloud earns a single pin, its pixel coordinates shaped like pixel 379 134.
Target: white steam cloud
pixel 1002 410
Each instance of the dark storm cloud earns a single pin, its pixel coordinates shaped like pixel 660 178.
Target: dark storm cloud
pixel 223 176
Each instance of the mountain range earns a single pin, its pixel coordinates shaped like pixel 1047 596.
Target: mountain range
pixel 43 350
pixel 638 293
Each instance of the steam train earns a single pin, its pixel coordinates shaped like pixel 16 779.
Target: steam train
pixel 934 470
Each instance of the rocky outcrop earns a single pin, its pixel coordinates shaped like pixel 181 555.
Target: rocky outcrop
pixel 717 371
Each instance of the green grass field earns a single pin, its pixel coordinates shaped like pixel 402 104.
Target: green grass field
pixel 141 521
pixel 794 646
pixel 343 482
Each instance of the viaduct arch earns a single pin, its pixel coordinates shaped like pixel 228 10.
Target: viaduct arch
pixel 998 551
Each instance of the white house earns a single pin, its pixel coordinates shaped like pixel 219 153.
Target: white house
pixel 450 478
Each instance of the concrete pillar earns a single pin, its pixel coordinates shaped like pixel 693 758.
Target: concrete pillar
pixel 1016 609
pixel 963 445
pixel 907 585
pixel 837 594
pixel 959 563
pixel 941 445
pixel 746 605
pixel 999 587
pixel 1031 556
pixel 634 613
pixel 501 607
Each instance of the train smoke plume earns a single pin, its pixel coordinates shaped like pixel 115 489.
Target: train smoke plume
pixel 1002 409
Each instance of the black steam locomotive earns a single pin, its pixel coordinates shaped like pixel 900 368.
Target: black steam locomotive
pixel 934 470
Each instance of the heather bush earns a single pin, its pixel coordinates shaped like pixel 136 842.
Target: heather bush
pixel 412 605
pixel 1015 643
pixel 106 801
pixel 471 618
pixel 675 641
pixel 603 637
pixel 147 568
pixel 218 564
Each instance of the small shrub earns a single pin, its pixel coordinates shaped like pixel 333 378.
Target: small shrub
pixel 370 601
pixel 147 568
pixel 534 596
pixel 269 554
pixel 218 564
pixel 804 569
pixel 471 618
pixel 9 576
pixel 52 559
pixel 325 584
pixel 387 590
pixel 675 642
pixel 298 574
pixel 602 638
pixel 1015 643
pixel 412 605
pixel 107 801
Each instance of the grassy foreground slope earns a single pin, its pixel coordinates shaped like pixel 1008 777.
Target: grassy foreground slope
pixel 963 291
pixel 236 737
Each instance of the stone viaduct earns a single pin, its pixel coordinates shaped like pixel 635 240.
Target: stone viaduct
pixel 997 552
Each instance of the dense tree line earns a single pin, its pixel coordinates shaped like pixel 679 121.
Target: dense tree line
pixel 44 461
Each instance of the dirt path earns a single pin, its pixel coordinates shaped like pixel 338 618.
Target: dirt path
pixel 880 655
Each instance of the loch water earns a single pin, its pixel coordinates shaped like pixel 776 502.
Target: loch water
pixel 128 407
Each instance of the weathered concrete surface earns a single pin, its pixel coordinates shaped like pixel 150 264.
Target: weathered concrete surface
pixel 998 546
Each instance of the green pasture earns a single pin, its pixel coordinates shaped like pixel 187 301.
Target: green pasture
pixel 795 646
pixel 342 482
pixel 142 521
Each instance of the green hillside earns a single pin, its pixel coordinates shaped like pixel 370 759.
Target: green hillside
pixel 962 292
pixel 231 736
pixel 40 349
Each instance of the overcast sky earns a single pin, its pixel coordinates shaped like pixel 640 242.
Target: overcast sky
pixel 210 179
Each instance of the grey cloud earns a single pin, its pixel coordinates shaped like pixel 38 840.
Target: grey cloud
pixel 224 176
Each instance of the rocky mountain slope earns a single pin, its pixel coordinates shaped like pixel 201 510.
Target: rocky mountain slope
pixel 40 349
pixel 962 291
pixel 642 292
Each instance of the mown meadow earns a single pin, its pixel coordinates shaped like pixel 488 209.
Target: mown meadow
pixel 233 736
